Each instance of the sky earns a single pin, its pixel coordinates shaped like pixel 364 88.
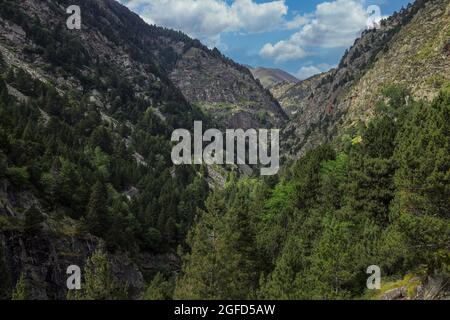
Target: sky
pixel 302 37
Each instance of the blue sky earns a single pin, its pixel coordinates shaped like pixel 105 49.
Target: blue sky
pixel 298 36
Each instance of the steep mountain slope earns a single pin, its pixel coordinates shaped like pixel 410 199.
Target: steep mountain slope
pixel 270 77
pixel 410 49
pixel 226 90
pixel 223 89
pixel 34 38
pixel 85 123
pixel 293 96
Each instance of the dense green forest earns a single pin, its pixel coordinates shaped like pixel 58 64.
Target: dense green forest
pixel 379 196
pixel 80 167
pixel 102 177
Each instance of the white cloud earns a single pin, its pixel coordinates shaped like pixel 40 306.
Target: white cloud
pixel 333 24
pixel 297 22
pixel 207 19
pixel 309 71
pixel 282 51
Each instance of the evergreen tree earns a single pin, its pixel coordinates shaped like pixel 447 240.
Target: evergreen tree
pixel 100 137
pixel 21 290
pixel 4 94
pixel 158 289
pixel 332 262
pixel 3 165
pixel 202 274
pixel 33 220
pixel 422 203
pixel 99 282
pixel 97 218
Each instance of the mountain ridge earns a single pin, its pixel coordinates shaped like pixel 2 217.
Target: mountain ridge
pixel 334 101
pixel 270 77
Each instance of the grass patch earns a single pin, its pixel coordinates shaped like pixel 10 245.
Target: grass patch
pixel 431 47
pixel 436 81
pixel 410 282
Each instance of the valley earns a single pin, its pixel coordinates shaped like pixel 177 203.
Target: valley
pixel 86 175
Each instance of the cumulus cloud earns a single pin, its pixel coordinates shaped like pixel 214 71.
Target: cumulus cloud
pixel 333 24
pixel 309 71
pixel 297 22
pixel 207 19
pixel 282 51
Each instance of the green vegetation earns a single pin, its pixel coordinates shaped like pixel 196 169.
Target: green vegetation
pixel 99 282
pixel 77 164
pixel 21 291
pixel 84 169
pixel 159 289
pixel 379 197
pixel 383 200
pixel 436 81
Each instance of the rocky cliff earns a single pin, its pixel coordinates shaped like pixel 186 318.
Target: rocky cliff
pixel 225 91
pixel 411 49
pixel 111 34
pixel 133 82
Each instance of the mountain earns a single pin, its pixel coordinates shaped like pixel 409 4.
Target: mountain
pixel 270 77
pixel 411 48
pixel 291 94
pixel 86 119
pixel 226 90
pixel 87 179
pixel 364 189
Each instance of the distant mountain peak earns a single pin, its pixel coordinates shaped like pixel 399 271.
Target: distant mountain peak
pixel 270 77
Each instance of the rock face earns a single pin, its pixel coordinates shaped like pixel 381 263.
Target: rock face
pixel 416 288
pixel 102 41
pixel 295 96
pixel 410 48
pixel 124 68
pixel 155 58
pixel 271 77
pixel 44 256
pixel 225 91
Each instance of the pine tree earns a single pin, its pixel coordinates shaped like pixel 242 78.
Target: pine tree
pixel 422 205
pixel 2 63
pixel 280 284
pixel 33 220
pixel 284 282
pixel 201 276
pixel 97 217
pixel 332 262
pixel 21 290
pixel 99 282
pixel 370 188
pixel 3 165
pixel 4 94
pixel 100 137
pixel 158 289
